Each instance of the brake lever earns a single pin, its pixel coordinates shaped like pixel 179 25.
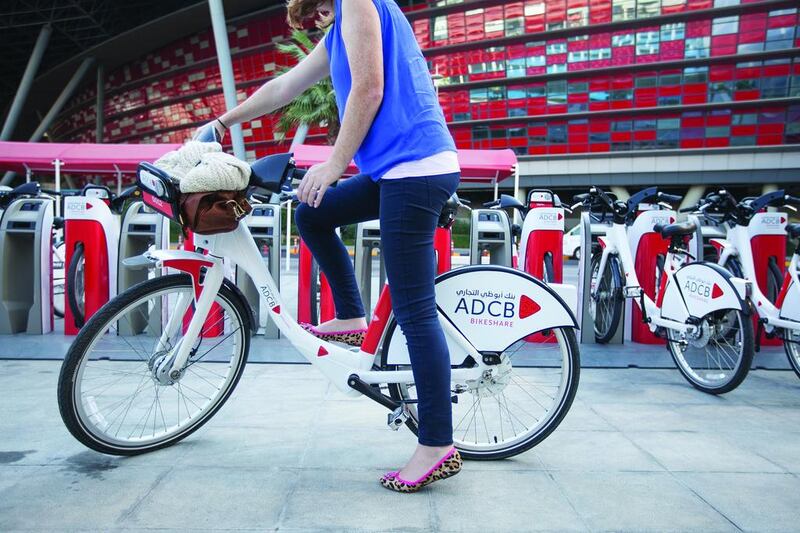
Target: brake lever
pixel 665 205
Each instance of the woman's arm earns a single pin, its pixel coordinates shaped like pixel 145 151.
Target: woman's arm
pixel 280 91
pixel 361 32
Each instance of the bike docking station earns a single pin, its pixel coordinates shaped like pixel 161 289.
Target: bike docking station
pixel 142 229
pixel 314 296
pixel 90 229
pixel 767 231
pixel 541 244
pixel 26 261
pixel 589 242
pixel 648 249
pixel 264 222
pixel 490 231
pixel 368 238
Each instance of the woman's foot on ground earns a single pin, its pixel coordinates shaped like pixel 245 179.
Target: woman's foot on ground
pixel 336 325
pixel 424 458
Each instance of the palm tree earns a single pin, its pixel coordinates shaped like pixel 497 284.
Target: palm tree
pixel 316 106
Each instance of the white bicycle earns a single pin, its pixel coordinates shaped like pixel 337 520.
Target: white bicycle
pixel 159 360
pixel 699 307
pixel 778 308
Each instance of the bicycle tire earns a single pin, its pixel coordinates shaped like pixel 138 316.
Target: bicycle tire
pixel 774 280
pixel 571 343
pixel 791 345
pixel 738 375
pixel 78 316
pixel 604 330
pixel 733 266
pixel 549 270
pixel 98 323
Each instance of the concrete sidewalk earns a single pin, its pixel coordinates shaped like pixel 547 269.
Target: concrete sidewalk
pixel 640 450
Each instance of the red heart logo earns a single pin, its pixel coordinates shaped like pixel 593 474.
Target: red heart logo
pixel 527 307
pixel 716 292
pixel 276 309
pixel 560 216
pixel 89 206
pixel 783 220
pixel 322 351
pixel 671 220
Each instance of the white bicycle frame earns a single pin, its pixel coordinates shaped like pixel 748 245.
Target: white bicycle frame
pixel 335 362
pixel 616 243
pixel 738 245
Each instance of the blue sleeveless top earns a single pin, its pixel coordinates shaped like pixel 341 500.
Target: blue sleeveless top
pixel 409 124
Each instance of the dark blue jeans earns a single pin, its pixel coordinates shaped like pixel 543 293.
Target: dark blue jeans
pixel 408 209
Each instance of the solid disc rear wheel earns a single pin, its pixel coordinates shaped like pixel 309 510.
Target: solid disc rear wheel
pixel 519 406
pixel 109 393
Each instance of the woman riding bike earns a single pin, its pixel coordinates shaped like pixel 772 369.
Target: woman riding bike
pixel 393 126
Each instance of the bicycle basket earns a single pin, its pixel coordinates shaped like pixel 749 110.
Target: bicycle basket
pixel 159 190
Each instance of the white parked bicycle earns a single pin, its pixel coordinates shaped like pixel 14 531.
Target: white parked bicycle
pixel 159 360
pixel 778 308
pixel 699 307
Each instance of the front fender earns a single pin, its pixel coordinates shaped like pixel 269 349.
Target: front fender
pixel 157 258
pixel 698 289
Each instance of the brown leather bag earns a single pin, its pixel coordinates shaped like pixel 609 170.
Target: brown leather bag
pixel 209 213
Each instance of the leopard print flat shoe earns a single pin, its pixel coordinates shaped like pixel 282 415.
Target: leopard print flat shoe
pixel 353 337
pixel 449 466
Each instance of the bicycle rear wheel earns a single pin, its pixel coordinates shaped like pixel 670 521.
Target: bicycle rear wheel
pixel 791 345
pixel 718 357
pixel 549 270
pixel 508 414
pixel 109 394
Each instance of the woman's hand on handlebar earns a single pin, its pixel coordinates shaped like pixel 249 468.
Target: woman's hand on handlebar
pixel 214 131
pixel 316 181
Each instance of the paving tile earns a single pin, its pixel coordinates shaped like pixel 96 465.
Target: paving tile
pixel 89 495
pixel 244 447
pixel 213 497
pixel 342 500
pixel 754 502
pixel 633 501
pixel 593 451
pixel 700 452
pixel 503 501
pixel 777 447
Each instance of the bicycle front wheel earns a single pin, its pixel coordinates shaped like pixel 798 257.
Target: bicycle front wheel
pixel 716 358
pixel 109 393
pixel 606 300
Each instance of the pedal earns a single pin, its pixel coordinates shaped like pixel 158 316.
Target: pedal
pixel 398 417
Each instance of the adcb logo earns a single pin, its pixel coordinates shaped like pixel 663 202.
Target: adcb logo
pixel 701 288
pixel 773 220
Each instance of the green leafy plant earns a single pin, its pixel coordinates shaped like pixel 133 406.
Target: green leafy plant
pixel 316 106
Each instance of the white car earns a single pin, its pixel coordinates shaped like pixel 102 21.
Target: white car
pixel 572 239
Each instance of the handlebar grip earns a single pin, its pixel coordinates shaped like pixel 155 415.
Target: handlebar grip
pixel 493 203
pixel 791 200
pixel 580 198
pixel 298 173
pixel 669 197
pixel 688 209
